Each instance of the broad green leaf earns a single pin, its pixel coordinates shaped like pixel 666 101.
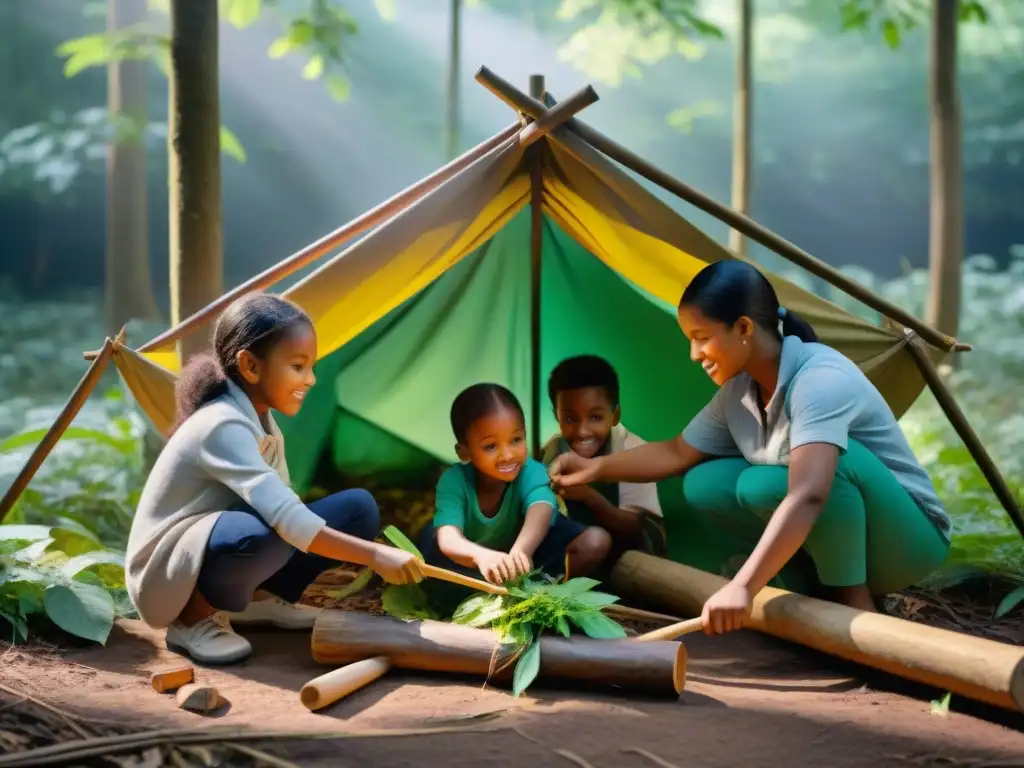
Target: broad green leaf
pixel 406 601
pixel 27 592
pixel 891 32
pixel 281 47
pixel 400 540
pixel 941 706
pixel 18 625
pixel 35 551
pixel 26 533
pixel 72 543
pixel 354 587
pixel 314 68
pixel 563 625
pixel 517 592
pixel 106 564
pixel 1011 601
pixel 80 609
pixel 34 437
pixel 81 53
pixel 597 625
pixel 573 587
pixel 338 87
pixel 526 669
pixel 386 9
pixel 594 599
pixel 243 13
pixel 230 145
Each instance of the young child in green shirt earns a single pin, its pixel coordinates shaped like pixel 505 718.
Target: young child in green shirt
pixel 495 511
pixel 584 393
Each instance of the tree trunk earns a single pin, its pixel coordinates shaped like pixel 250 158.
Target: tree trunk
pixel 129 290
pixel 196 268
pixel 451 128
pixel 741 126
pixel 945 246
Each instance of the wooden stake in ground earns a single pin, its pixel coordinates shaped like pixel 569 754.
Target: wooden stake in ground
pixel 326 689
pixel 343 637
pixel 974 667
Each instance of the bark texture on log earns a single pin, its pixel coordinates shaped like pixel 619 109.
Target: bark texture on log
pixel 342 637
pixel 974 667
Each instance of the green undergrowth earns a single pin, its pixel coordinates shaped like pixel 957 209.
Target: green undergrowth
pixel 536 603
pixel 62 544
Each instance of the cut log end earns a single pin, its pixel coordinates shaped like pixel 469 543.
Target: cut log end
pixel 172 678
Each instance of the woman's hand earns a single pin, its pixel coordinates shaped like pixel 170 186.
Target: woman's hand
pixel 497 567
pixel 396 565
pixel 570 469
pixel 727 610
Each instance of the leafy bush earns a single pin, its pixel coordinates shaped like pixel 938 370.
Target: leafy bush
pixel 986 383
pixel 92 479
pixel 64 574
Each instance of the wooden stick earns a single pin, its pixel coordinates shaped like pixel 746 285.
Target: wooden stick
pixel 536 238
pixel 343 637
pixel 67 415
pixel 672 631
pixel 326 689
pixel 455 577
pixel 980 669
pixel 520 101
pixel 975 447
pixel 329 242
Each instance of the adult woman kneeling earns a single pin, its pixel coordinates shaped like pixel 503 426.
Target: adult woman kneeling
pixel 797 448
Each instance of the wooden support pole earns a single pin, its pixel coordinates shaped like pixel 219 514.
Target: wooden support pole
pixel 747 226
pixel 329 242
pixel 343 637
pixel 67 415
pixel 956 417
pixel 536 236
pixel 980 669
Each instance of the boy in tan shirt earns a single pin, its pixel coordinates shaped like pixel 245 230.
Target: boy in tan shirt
pixel 584 393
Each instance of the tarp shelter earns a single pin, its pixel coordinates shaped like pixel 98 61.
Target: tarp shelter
pixel 441 296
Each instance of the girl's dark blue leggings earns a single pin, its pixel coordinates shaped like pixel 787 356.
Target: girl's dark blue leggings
pixel 245 554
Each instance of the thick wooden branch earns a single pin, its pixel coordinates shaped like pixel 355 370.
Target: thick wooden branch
pixel 343 637
pixel 974 667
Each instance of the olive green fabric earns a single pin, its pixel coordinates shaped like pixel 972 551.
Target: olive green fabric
pixel 472 325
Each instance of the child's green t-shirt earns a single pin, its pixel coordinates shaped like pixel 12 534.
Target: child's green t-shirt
pixel 457 503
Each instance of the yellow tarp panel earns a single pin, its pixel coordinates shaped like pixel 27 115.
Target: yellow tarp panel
pixel 645 241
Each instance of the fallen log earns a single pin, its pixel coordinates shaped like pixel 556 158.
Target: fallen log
pixel 975 667
pixel 343 637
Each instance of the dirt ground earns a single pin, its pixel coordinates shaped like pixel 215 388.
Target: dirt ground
pixel 750 700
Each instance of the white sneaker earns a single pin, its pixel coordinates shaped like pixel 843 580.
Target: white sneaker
pixel 210 641
pixel 280 613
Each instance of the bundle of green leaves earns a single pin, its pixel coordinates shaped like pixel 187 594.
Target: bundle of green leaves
pixel 536 602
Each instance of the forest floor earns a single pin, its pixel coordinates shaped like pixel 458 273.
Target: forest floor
pixel 750 700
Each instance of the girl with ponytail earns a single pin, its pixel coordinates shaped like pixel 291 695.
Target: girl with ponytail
pixel 797 454
pixel 218 534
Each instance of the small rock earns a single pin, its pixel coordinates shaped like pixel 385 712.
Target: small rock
pixel 200 698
